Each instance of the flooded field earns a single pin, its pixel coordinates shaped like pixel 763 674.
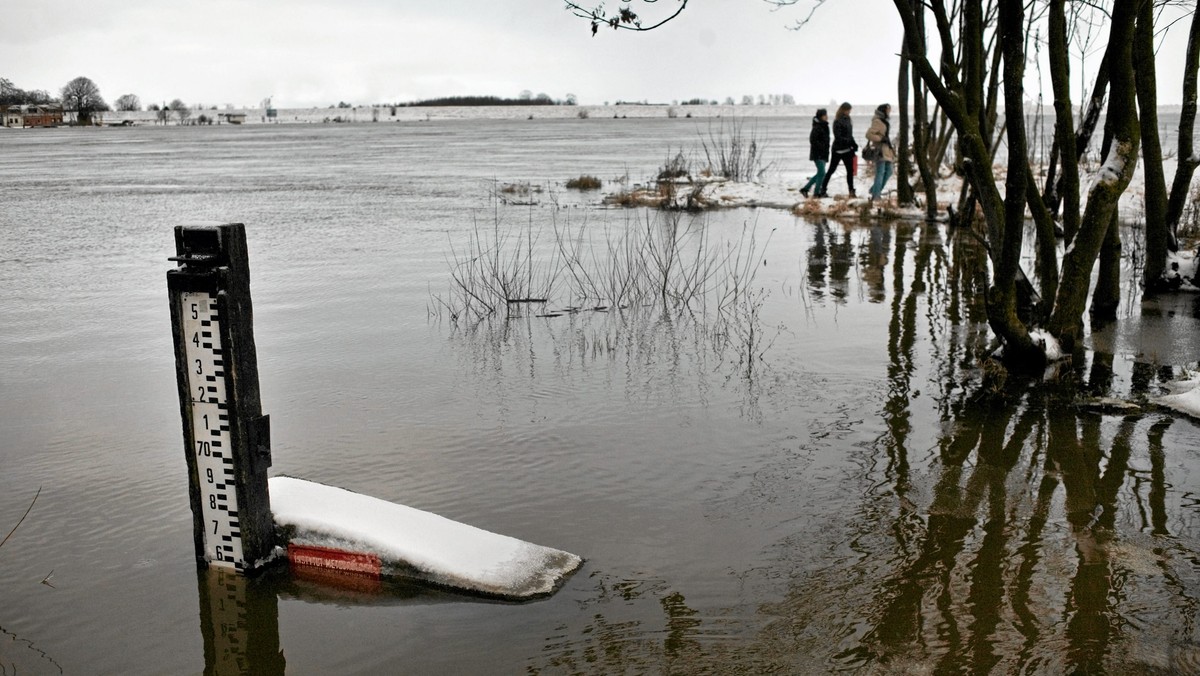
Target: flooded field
pixel 824 480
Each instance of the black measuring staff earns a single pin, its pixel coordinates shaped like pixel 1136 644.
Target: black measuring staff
pixel 227 440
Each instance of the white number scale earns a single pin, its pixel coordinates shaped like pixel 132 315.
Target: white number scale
pixel 211 443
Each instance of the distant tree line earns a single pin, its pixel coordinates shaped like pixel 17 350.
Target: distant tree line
pixel 525 99
pixel 12 95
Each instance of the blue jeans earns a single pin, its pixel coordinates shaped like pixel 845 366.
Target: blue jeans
pixel 883 171
pixel 819 179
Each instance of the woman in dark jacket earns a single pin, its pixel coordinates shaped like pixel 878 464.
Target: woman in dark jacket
pixel 818 144
pixel 844 148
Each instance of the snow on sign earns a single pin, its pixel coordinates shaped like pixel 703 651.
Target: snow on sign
pixel 226 438
pixel 335 528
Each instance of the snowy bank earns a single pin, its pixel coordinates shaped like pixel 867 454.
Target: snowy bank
pixel 1184 396
pixel 781 190
pixel 411 543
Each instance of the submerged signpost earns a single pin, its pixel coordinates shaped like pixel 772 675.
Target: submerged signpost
pixel 227 443
pixel 226 438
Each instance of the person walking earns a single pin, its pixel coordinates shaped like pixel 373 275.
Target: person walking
pixel 818 150
pixel 844 147
pixel 879 133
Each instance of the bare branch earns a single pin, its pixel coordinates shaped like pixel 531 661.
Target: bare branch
pixel 22 519
pixel 800 23
pixel 625 17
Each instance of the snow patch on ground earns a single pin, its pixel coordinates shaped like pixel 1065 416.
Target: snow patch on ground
pixel 782 191
pixel 1181 269
pixel 1049 345
pixel 417 544
pixel 1184 396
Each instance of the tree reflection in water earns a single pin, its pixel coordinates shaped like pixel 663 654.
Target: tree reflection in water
pixel 1001 528
pixel 978 577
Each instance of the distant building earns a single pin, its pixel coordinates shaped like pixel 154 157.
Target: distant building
pixel 234 118
pixel 32 115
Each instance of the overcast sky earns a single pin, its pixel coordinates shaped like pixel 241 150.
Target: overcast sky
pixel 319 52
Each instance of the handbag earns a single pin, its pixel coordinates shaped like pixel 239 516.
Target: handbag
pixel 870 152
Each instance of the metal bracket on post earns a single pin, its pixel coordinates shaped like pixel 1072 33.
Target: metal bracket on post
pixel 227 440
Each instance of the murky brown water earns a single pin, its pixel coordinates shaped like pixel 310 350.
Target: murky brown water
pixel 864 498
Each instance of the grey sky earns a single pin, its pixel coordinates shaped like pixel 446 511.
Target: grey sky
pixel 318 52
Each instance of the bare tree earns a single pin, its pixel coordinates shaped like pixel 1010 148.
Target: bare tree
pixel 180 109
pixel 983 49
pixel 1159 238
pixel 1067 320
pixel 82 97
pixel 11 94
pixel 128 102
pixel 1187 159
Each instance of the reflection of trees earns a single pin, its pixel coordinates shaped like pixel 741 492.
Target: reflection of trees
pixel 645 350
pixel 609 644
pixel 1001 529
pixel 1016 537
pixel 987 558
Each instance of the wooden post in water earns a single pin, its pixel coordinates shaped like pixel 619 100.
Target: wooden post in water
pixel 227 440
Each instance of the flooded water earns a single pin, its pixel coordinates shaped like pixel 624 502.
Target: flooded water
pixel 861 498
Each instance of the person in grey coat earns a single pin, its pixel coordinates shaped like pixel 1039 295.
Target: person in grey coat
pixel 880 133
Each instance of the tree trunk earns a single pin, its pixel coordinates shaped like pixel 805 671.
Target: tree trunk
pixel 1083 136
pixel 1158 237
pixel 945 136
pixel 1002 296
pixel 1047 246
pixel 992 105
pixel 1107 296
pixel 1095 105
pixel 904 190
pixel 1188 161
pixel 921 149
pixel 1067 188
pixel 971 41
pixel 921 121
pixel 1066 323
pixel 1048 194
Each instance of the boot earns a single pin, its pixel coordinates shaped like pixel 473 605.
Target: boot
pixel 804 191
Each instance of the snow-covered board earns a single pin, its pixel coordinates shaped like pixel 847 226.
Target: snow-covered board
pixel 411 543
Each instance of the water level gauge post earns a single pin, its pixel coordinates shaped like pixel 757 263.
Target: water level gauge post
pixel 226 438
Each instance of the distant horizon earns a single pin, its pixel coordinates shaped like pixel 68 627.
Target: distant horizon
pixel 313 54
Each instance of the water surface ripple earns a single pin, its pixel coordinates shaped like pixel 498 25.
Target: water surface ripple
pixel 863 498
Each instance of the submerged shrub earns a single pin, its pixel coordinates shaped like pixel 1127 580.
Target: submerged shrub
pixel 733 152
pixel 520 188
pixel 663 261
pixel 584 182
pixel 675 167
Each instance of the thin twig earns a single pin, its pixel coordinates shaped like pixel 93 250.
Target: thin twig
pixel 22 520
